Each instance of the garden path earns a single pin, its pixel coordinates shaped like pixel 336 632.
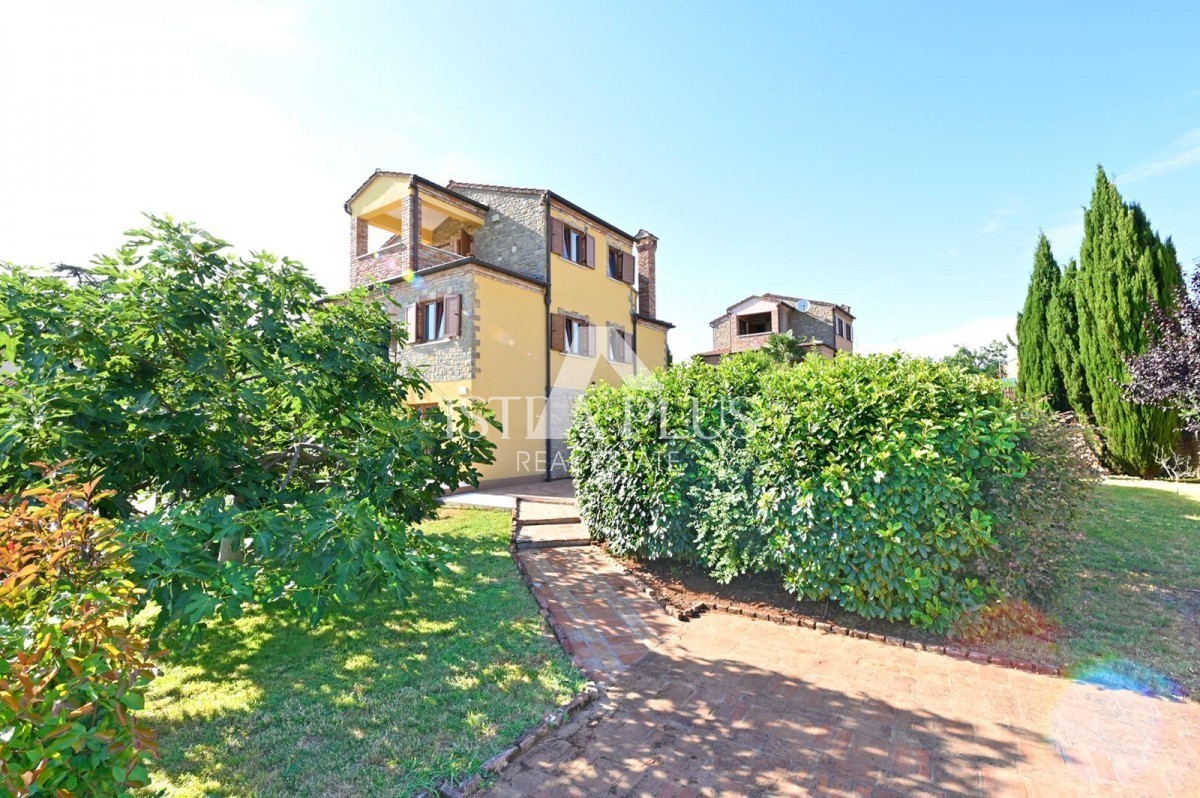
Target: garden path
pixel 726 705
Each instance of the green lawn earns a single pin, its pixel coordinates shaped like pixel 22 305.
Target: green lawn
pixel 382 701
pixel 1133 612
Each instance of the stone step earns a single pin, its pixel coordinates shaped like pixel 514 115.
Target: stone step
pixel 529 512
pixel 545 536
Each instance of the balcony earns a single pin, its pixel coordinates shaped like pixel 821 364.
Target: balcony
pixel 403 224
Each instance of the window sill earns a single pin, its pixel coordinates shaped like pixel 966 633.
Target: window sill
pixel 575 263
pixel 427 343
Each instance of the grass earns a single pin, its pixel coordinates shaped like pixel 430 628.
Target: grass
pixel 378 701
pixel 1132 616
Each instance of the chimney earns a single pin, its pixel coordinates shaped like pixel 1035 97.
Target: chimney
pixel 647 245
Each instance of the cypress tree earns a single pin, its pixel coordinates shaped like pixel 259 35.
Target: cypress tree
pixel 1063 323
pixel 1124 270
pixel 1039 374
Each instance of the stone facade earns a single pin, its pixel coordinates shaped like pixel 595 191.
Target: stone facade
pixel 560 413
pixel 514 233
pixel 816 323
pixel 454 358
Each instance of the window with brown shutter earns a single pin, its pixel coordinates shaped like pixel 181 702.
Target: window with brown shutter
pixel 438 319
pixel 628 270
pixel 571 243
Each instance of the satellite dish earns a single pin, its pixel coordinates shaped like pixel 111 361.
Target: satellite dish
pixel 802 306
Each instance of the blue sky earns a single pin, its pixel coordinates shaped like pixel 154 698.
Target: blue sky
pixel 899 158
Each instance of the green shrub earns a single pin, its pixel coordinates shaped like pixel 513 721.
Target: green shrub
pixel 1036 518
pixel 73 670
pixel 868 481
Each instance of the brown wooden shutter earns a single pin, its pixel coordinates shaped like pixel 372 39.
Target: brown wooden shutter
pixel 420 334
pixel 558 332
pixel 627 267
pixel 556 236
pixel 591 251
pixel 454 315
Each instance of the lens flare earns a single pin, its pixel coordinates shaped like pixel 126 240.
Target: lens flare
pixel 1121 674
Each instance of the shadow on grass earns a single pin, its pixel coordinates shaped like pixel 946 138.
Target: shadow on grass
pixel 378 700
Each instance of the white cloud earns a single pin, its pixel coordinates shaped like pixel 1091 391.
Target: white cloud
pixel 975 333
pixel 996 223
pixel 1186 153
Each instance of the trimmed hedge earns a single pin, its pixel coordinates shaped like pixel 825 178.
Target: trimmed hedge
pixel 875 482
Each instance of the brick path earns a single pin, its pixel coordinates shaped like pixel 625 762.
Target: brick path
pixel 725 705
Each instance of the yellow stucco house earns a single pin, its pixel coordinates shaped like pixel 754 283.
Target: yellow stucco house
pixel 513 296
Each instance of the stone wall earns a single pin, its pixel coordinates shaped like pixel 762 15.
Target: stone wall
pixel 514 233
pixel 720 333
pixel 452 359
pixel 560 408
pixel 816 323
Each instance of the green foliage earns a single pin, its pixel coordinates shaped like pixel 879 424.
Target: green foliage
pixel 863 480
pixel 264 430
pixel 1063 322
pixel 1039 376
pixel 1037 519
pixel 783 348
pixel 1124 271
pixel 73 671
pixel 989 360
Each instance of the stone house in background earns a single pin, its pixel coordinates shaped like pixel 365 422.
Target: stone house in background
pixel 823 327
pixel 514 296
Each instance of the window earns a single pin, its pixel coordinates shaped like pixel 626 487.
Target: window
pixel 434 327
pixel 573 245
pixel 620 265
pixel 436 319
pixel 754 324
pixel 574 337
pixel 618 346
pixel 849 332
pixel 570 335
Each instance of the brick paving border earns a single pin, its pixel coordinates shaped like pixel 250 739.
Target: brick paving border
pixel 655 590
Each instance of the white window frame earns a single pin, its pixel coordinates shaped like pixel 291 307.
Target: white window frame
pixel 435 323
pixel 616 345
pixel 573 332
pixel 574 243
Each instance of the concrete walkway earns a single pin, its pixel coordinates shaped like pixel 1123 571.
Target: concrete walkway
pixel 725 705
